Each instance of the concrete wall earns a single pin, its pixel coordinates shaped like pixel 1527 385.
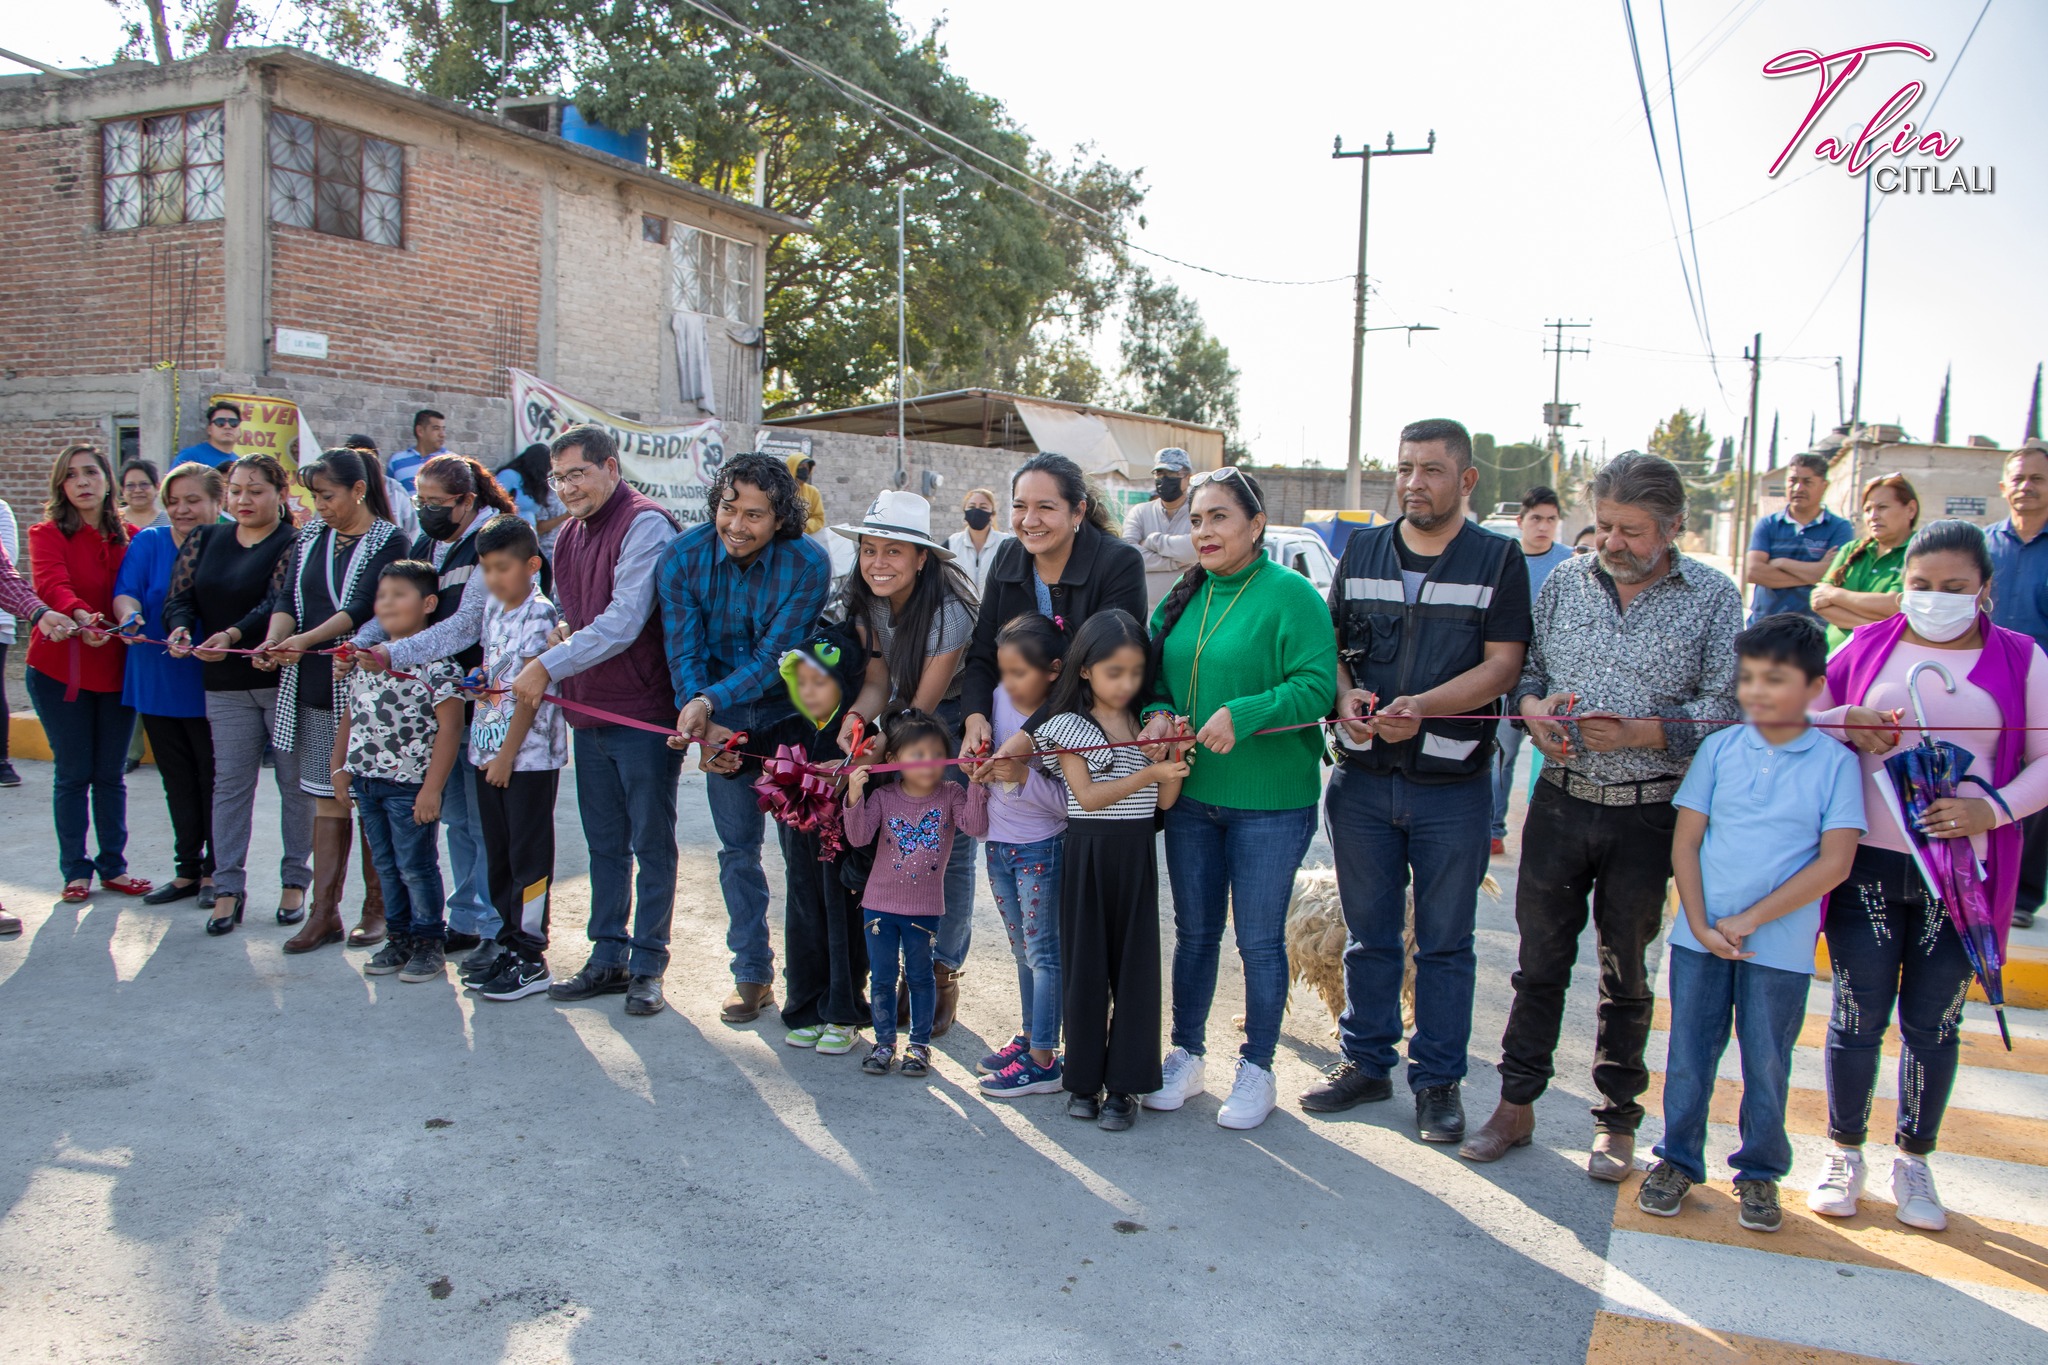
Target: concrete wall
pixel 853 468
pixel 1290 492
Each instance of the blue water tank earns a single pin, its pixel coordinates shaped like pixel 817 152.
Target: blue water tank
pixel 632 146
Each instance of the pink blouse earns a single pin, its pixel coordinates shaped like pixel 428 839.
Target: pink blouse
pixel 1968 705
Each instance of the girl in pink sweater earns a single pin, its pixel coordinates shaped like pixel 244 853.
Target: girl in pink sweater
pixel 911 823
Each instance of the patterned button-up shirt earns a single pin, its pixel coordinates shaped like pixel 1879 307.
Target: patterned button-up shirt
pixel 1670 654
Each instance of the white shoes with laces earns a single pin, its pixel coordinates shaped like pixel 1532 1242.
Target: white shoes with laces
pixel 1913 1192
pixel 1842 1177
pixel 1253 1096
pixel 1183 1076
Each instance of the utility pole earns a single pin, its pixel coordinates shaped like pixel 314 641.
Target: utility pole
pixel 1365 157
pixel 1557 413
pixel 1746 485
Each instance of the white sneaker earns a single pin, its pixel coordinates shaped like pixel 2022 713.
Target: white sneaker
pixel 1913 1192
pixel 1184 1074
pixel 1842 1176
pixel 1252 1098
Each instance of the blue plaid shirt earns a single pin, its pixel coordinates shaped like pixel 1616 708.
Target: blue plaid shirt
pixel 727 626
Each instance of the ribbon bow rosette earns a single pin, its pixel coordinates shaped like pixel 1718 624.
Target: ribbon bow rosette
pixel 806 798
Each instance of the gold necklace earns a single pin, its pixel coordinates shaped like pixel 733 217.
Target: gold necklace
pixel 1206 632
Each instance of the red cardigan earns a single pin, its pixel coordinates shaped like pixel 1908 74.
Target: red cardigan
pixel 75 573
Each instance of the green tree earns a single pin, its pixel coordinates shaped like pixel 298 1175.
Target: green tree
pixel 996 281
pixel 1941 411
pixel 1172 366
pixel 350 31
pixel 1683 439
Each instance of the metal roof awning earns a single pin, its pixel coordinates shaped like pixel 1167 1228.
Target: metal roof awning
pixel 1100 440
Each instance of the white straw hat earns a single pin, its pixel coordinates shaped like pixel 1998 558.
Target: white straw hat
pixel 896 515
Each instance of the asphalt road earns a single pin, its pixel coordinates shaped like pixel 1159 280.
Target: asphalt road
pixel 211 1152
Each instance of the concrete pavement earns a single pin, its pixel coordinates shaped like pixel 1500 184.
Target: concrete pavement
pixel 212 1151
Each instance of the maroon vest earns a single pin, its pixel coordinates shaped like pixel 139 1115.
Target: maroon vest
pixel 633 683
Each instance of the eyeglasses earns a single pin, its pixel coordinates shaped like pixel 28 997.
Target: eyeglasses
pixel 1230 472
pixel 572 477
pixel 226 422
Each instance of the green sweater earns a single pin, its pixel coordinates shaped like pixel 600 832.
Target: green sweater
pixel 1273 661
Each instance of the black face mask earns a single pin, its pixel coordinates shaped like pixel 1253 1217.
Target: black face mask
pixel 1166 488
pixel 438 522
pixel 977 518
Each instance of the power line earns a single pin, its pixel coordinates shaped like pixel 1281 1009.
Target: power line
pixel 1685 190
pixel 878 105
pixel 1643 89
pixel 1693 64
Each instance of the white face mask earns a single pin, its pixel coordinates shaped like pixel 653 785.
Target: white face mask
pixel 1938 616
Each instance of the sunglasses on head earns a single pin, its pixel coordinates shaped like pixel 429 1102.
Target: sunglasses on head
pixel 1229 472
pixel 227 421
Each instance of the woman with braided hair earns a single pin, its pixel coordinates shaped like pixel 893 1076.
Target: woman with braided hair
pixel 1864 584
pixel 1240 644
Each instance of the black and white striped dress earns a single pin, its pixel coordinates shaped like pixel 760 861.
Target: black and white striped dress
pixel 1109 921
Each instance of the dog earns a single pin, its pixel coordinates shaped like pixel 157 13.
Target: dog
pixel 1316 939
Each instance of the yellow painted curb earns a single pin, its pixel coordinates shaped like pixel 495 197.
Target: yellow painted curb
pixel 25 738
pixel 2025 976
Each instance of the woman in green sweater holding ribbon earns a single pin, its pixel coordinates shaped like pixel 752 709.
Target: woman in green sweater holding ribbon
pixel 1239 645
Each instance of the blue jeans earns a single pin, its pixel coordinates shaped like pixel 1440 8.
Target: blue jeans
pixel 1383 827
pixel 740 824
pixel 1511 738
pixel 406 855
pixel 1767 1006
pixel 1218 859
pixel 470 910
pixel 89 738
pixel 908 939
pixel 626 789
pixel 1026 881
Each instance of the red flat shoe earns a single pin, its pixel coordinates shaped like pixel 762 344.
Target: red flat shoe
pixel 78 891
pixel 127 886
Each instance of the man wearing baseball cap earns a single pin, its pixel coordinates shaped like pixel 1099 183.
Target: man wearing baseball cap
pixel 1159 528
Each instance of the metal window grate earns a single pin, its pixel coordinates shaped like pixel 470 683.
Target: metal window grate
pixel 710 274
pixel 336 181
pixel 162 169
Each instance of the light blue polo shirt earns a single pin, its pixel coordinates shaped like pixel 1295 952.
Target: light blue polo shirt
pixel 1766 809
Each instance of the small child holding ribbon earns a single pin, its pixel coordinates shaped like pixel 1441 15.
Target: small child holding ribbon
pixel 824 959
pixel 1027 828
pixel 519 753
pixel 911 822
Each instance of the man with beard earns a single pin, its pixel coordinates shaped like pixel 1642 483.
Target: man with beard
pixel 1432 617
pixel 1635 642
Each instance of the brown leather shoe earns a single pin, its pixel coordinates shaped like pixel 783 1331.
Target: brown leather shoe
pixel 949 998
pixel 330 875
pixel 369 929
pixel 746 1002
pixel 1511 1126
pixel 1614 1156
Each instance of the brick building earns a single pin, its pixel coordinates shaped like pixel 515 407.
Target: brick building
pixel 261 221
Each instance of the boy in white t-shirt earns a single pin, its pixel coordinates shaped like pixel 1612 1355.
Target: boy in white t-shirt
pixel 520 752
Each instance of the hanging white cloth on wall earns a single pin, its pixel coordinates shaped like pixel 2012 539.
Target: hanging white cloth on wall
pixel 693 361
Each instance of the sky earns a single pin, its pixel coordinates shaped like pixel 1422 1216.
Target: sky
pixel 1541 200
